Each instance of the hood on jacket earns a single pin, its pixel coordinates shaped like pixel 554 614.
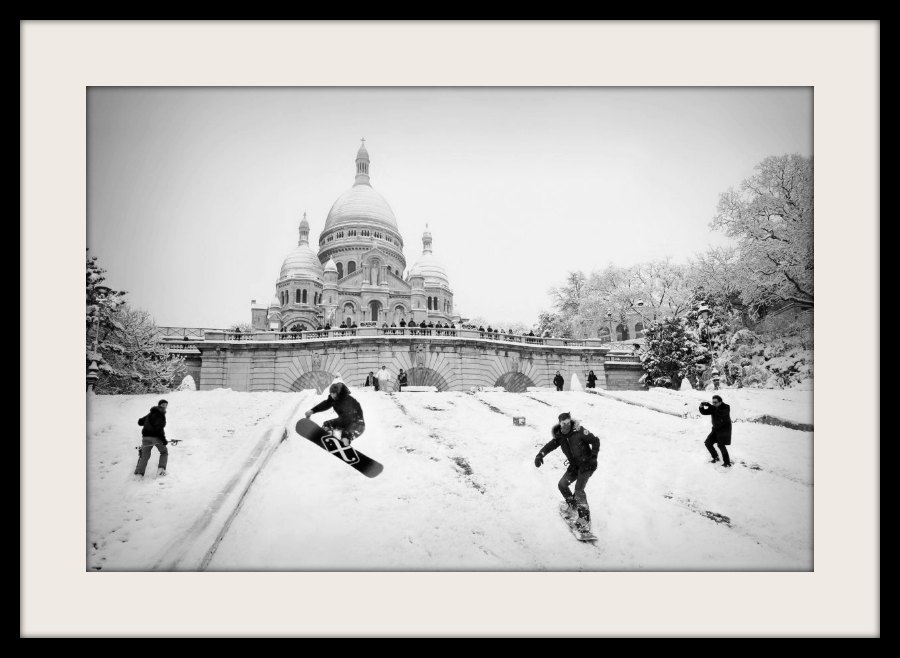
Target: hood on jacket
pixel 341 389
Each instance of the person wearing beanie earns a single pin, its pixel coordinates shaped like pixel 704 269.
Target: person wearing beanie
pixel 153 433
pixel 580 448
pixel 349 424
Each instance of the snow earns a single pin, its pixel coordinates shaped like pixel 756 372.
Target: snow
pixel 130 525
pixel 576 384
pixel 187 384
pixel 459 492
pixel 792 404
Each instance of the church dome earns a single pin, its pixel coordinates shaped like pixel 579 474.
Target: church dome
pixel 428 266
pixel 330 266
pixel 361 203
pixel 302 263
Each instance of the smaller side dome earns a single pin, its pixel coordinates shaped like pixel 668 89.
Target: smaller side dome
pixel 330 266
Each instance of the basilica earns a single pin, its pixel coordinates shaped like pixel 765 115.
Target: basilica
pixel 359 272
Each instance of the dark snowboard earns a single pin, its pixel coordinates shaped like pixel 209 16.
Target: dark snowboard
pixel 347 454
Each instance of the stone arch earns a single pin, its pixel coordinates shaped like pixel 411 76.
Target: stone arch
pixel 317 379
pixel 399 313
pixel 622 332
pixel 420 376
pixel 514 382
pixel 376 311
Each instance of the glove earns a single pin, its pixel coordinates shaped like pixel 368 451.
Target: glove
pixel 592 464
pixel 539 459
pixel 309 413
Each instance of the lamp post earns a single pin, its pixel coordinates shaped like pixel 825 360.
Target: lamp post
pixel 704 314
pixel 638 306
pixel 609 319
pixel 93 372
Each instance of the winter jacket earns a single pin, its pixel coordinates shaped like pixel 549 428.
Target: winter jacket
pixel 579 446
pixel 401 378
pixel 721 421
pixel 154 423
pixel 592 378
pixel 346 406
pixel 558 380
pixel 370 380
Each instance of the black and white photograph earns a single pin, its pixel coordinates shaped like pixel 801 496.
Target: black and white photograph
pixel 443 337
pixel 573 282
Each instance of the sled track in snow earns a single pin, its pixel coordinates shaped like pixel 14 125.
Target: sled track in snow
pixel 460 463
pixel 720 519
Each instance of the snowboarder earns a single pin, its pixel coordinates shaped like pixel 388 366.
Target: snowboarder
pixel 720 415
pixel 592 380
pixel 558 381
pixel 154 434
pixel 401 380
pixel 350 421
pixel 580 448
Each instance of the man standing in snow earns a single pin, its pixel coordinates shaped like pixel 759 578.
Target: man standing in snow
pixel 580 448
pixel 372 380
pixel 720 415
pixel 401 380
pixel 558 381
pixel 384 379
pixel 154 434
pixel 349 423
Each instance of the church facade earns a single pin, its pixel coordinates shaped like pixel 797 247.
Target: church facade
pixel 359 272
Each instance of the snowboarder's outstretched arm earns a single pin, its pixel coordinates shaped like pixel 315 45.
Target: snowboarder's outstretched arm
pixel 327 403
pixel 552 445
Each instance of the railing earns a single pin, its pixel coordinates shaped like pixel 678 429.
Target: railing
pixel 399 332
pixel 183 332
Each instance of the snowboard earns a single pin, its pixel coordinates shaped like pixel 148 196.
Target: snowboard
pixel 570 521
pixel 329 443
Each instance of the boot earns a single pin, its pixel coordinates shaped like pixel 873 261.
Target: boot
pixel 713 460
pixel 569 507
pixel 161 473
pixel 583 523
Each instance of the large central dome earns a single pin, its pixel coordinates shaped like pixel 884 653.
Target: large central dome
pixel 361 202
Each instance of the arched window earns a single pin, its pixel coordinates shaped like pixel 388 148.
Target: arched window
pixel 621 332
pixel 304 296
pixel 351 267
pixel 603 334
pixel 340 267
pixel 296 296
pixel 638 329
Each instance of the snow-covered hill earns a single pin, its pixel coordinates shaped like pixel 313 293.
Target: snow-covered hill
pixel 459 490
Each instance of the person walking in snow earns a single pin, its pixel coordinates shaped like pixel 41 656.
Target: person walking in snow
pixel 592 380
pixel 154 434
pixel 349 424
pixel 558 381
pixel 720 415
pixel 581 449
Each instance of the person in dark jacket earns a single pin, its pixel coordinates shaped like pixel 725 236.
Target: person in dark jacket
pixel 349 424
pixel 558 381
pixel 592 380
pixel 402 323
pixel 580 448
pixel 154 434
pixel 401 380
pixel 720 414
pixel 372 380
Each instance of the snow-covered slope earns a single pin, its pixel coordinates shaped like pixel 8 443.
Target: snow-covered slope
pixel 460 492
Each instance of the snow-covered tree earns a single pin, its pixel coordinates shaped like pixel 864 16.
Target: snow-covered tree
pixel 134 359
pixel 771 217
pixel 129 354
pixel 671 353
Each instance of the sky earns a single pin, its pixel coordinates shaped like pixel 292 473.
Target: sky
pixel 195 194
